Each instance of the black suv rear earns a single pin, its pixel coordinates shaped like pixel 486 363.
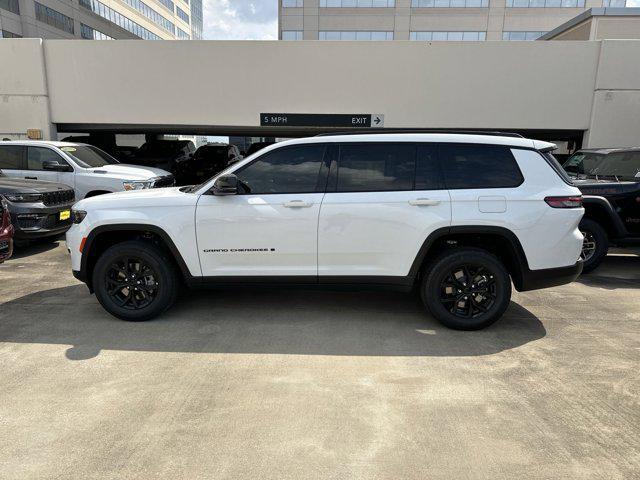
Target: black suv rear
pixel 610 182
pixel 38 209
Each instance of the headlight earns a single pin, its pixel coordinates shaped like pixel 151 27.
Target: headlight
pixel 77 216
pixel 24 197
pixel 137 185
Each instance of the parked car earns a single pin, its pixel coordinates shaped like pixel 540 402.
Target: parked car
pixel 164 154
pixel 38 209
pixel 6 231
pixel 87 169
pixel 450 214
pixel 207 161
pixel 610 182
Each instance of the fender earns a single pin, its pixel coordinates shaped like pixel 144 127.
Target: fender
pixel 83 274
pixel 619 230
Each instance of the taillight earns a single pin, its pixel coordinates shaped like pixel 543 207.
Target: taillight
pixel 574 201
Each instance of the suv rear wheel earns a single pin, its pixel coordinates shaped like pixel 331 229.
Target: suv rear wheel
pixel 595 245
pixel 466 289
pixel 135 281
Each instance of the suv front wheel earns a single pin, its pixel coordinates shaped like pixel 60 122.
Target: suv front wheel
pixel 466 289
pixel 135 281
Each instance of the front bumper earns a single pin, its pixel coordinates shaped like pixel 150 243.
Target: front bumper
pixel 550 277
pixel 33 222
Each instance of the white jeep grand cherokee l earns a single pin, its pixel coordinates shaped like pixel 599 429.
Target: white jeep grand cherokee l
pixel 458 216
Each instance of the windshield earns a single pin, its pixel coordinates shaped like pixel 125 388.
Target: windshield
pixel 582 162
pixel 88 156
pixel 619 164
pixel 163 148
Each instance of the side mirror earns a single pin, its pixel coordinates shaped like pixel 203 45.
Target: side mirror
pixel 225 185
pixel 52 166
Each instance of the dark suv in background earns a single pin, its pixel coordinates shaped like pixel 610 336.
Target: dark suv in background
pixel 207 161
pixel 164 154
pixel 38 209
pixel 610 182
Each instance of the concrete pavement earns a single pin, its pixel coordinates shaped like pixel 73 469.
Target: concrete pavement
pixel 296 384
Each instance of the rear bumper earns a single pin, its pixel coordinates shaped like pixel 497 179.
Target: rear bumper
pixel 550 277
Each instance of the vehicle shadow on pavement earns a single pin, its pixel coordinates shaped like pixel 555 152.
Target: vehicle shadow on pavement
pixel 259 321
pixel 34 248
pixel 616 271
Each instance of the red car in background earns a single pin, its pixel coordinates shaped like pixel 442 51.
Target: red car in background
pixel 6 231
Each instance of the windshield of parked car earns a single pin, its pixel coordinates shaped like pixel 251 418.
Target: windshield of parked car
pixel 582 162
pixel 88 156
pixel 619 164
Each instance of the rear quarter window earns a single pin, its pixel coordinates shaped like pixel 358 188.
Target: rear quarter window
pixel 479 166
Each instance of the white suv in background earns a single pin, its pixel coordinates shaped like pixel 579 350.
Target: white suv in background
pixel 460 217
pixel 87 169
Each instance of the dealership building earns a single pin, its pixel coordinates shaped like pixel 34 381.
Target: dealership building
pixel 101 19
pixel 430 20
pixel 579 88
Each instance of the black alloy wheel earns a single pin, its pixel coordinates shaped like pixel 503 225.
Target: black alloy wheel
pixel 468 290
pixel 131 283
pixel 135 280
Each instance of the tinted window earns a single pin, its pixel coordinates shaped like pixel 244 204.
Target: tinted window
pixel 428 176
pixel 287 170
pixel 479 166
pixel 88 156
pixel 36 156
pixel 376 167
pixel 11 157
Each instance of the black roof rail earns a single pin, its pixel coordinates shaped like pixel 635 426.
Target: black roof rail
pixel 420 130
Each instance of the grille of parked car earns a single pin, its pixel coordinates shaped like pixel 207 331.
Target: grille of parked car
pixel 30 221
pixel 166 181
pixel 58 198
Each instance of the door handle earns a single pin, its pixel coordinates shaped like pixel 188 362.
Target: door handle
pixel 296 204
pixel 424 202
pixel 30 178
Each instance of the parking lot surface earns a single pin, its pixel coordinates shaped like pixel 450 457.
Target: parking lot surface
pixel 298 384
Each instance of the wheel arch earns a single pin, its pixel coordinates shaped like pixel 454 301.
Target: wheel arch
pixel 499 241
pixel 600 210
pixel 95 193
pixel 105 236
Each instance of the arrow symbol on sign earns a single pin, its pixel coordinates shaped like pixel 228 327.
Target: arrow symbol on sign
pixel 377 121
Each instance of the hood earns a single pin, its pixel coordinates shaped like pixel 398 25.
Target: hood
pixel 591 186
pixel 152 197
pixel 129 172
pixel 18 185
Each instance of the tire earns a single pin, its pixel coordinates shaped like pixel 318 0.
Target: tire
pixel 593 233
pixel 443 291
pixel 147 280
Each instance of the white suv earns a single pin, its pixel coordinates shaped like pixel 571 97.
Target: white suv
pixel 87 169
pixel 458 216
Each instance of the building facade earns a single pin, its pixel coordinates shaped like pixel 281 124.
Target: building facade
pixel 101 19
pixel 429 20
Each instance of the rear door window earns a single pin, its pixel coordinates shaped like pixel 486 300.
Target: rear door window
pixel 467 166
pixel 11 157
pixel 376 167
pixel 428 174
